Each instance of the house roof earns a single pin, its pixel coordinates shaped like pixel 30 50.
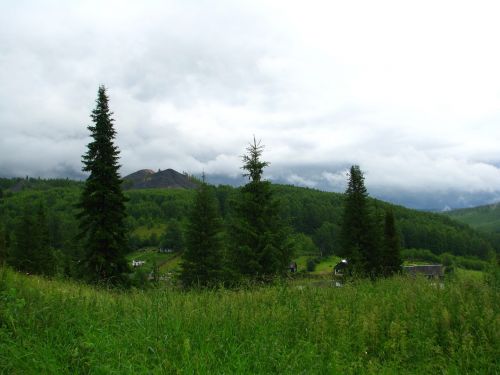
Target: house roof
pixel 425 269
pixel 342 264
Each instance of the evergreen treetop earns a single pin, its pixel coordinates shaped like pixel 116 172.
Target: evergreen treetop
pixel 252 164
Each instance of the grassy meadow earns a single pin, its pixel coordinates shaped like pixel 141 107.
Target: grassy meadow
pixel 386 327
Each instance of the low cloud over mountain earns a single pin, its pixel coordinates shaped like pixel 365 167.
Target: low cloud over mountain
pixel 323 85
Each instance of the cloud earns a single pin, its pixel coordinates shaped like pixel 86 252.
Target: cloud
pixel 325 85
pixel 300 181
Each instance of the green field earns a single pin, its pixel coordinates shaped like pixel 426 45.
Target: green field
pixel 326 265
pixel 144 231
pixel 167 262
pixel 388 327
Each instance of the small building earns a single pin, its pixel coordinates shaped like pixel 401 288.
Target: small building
pixel 138 263
pixel 293 267
pixel 339 268
pixel 431 271
pixel 165 250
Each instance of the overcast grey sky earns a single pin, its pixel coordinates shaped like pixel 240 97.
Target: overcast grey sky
pixel 408 90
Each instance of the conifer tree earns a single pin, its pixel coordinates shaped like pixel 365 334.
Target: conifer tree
pixel 44 252
pixel 258 234
pixel 173 238
pixel 102 204
pixel 391 257
pixel 202 259
pixel 23 254
pixel 358 235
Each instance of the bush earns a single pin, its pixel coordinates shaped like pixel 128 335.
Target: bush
pixel 420 254
pixel 471 264
pixel 311 265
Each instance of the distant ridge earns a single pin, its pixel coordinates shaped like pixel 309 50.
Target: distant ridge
pixel 483 218
pixel 167 179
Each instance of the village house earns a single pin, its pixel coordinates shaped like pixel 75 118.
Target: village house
pixel 431 271
pixel 339 268
pixel 138 263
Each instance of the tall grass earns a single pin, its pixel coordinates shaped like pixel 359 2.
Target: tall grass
pixel 387 327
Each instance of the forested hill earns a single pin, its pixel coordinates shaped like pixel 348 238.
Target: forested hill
pixel 16 184
pixel 483 218
pixel 313 215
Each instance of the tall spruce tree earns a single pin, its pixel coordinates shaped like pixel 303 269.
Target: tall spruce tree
pixel 258 234
pixel 391 251
pixel 102 204
pixel 202 259
pixel 358 235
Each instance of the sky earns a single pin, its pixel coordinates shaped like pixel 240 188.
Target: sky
pixel 410 91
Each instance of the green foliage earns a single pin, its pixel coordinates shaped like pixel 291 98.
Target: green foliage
pixel 358 232
pixel 420 255
pixel 447 259
pixel 391 250
pixel 483 218
pixel 440 234
pixel 3 244
pixel 392 326
pixel 173 237
pixel 327 238
pixel 102 204
pixel 303 244
pixel 493 277
pixel 252 163
pixel 308 211
pixel 10 185
pixel 31 251
pixel 202 261
pixel 258 233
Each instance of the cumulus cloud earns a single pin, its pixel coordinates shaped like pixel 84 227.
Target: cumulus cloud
pixel 409 92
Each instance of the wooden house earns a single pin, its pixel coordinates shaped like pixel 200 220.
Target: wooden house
pixel 431 271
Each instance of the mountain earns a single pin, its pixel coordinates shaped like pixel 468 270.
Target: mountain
pixel 167 179
pixel 483 218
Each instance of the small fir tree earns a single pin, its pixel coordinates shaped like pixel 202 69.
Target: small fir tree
pixel 202 259
pixel 358 235
pixel 259 237
pixel 102 204
pixel 391 258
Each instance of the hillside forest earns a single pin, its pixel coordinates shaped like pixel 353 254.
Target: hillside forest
pixel 37 208
pixel 224 234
